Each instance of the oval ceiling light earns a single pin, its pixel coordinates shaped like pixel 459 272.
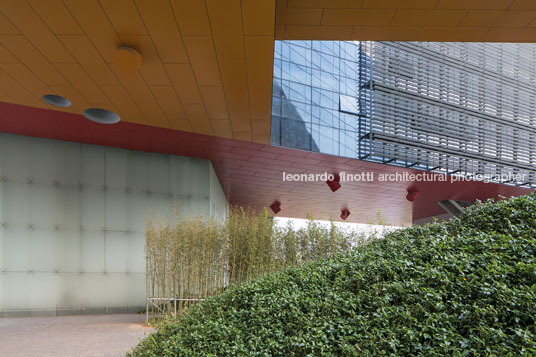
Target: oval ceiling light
pixel 101 116
pixel 56 100
pixel 127 60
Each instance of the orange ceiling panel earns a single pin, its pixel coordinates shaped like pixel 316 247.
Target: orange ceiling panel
pixel 227 28
pixel 207 64
pixel 203 60
pixel 299 16
pixel 67 47
pixel 258 17
pixel 397 4
pixel 88 57
pixel 523 5
pixel 408 20
pixel 192 17
pixel 125 104
pixel 343 33
pixel 379 33
pixel 9 85
pixel 26 53
pixel 498 18
pixel 124 17
pixel 34 29
pixel 474 4
pixel 160 21
pixel 152 70
pixel 451 34
pixel 25 78
pixel 96 26
pixel 340 4
pixel 183 80
pixel 82 81
pixel 79 102
pixel 6 27
pixel 56 16
pixel 214 99
pixel 367 17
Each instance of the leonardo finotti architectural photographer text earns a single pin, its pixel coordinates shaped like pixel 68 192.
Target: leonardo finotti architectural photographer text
pixel 369 176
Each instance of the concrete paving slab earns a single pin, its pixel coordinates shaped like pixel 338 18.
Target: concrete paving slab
pixel 71 336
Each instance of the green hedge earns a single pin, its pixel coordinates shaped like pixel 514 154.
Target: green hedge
pixel 466 288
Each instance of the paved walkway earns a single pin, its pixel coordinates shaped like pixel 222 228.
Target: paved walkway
pixel 72 336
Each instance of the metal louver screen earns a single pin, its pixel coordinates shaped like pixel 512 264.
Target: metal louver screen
pixel 468 108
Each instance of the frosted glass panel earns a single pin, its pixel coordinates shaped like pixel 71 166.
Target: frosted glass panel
pixel 115 209
pixel 18 248
pixel 116 252
pixel 2 244
pixel 137 210
pixel 43 251
pixel 17 291
pixel 16 201
pixel 69 251
pixel 199 179
pixel 181 175
pixel 116 168
pixel 43 205
pixel 159 178
pixel 93 252
pixel 92 209
pixel 1 294
pixel 135 256
pixel 68 208
pixel 72 221
pixel 70 293
pixel 68 163
pixel 135 289
pixel 117 287
pixel 15 157
pixel 138 171
pixel 42 155
pixel 96 291
pixel 219 207
pixel 43 291
pixel 161 205
pixel 92 163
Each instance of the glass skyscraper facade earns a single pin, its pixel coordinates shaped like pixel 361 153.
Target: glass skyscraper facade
pixel 466 108
pixel 310 78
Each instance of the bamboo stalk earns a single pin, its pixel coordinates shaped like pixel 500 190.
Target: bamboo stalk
pixel 193 257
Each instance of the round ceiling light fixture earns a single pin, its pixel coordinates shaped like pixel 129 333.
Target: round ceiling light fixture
pixel 56 100
pixel 127 60
pixel 101 116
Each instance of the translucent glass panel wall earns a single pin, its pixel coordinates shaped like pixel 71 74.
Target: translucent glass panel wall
pixel 72 220
pixel 315 96
pixel 219 206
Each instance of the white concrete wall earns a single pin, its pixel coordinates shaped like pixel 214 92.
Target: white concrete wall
pixel 72 220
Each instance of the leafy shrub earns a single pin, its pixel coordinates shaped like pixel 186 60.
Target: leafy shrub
pixel 466 287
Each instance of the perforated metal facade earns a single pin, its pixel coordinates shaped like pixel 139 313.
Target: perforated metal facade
pixel 468 108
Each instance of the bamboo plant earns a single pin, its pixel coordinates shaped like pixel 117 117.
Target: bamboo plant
pixel 190 258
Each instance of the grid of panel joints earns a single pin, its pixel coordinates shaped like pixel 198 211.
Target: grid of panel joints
pixel 72 216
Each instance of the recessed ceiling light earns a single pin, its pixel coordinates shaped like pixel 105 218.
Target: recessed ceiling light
pixel 56 100
pixel 101 116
